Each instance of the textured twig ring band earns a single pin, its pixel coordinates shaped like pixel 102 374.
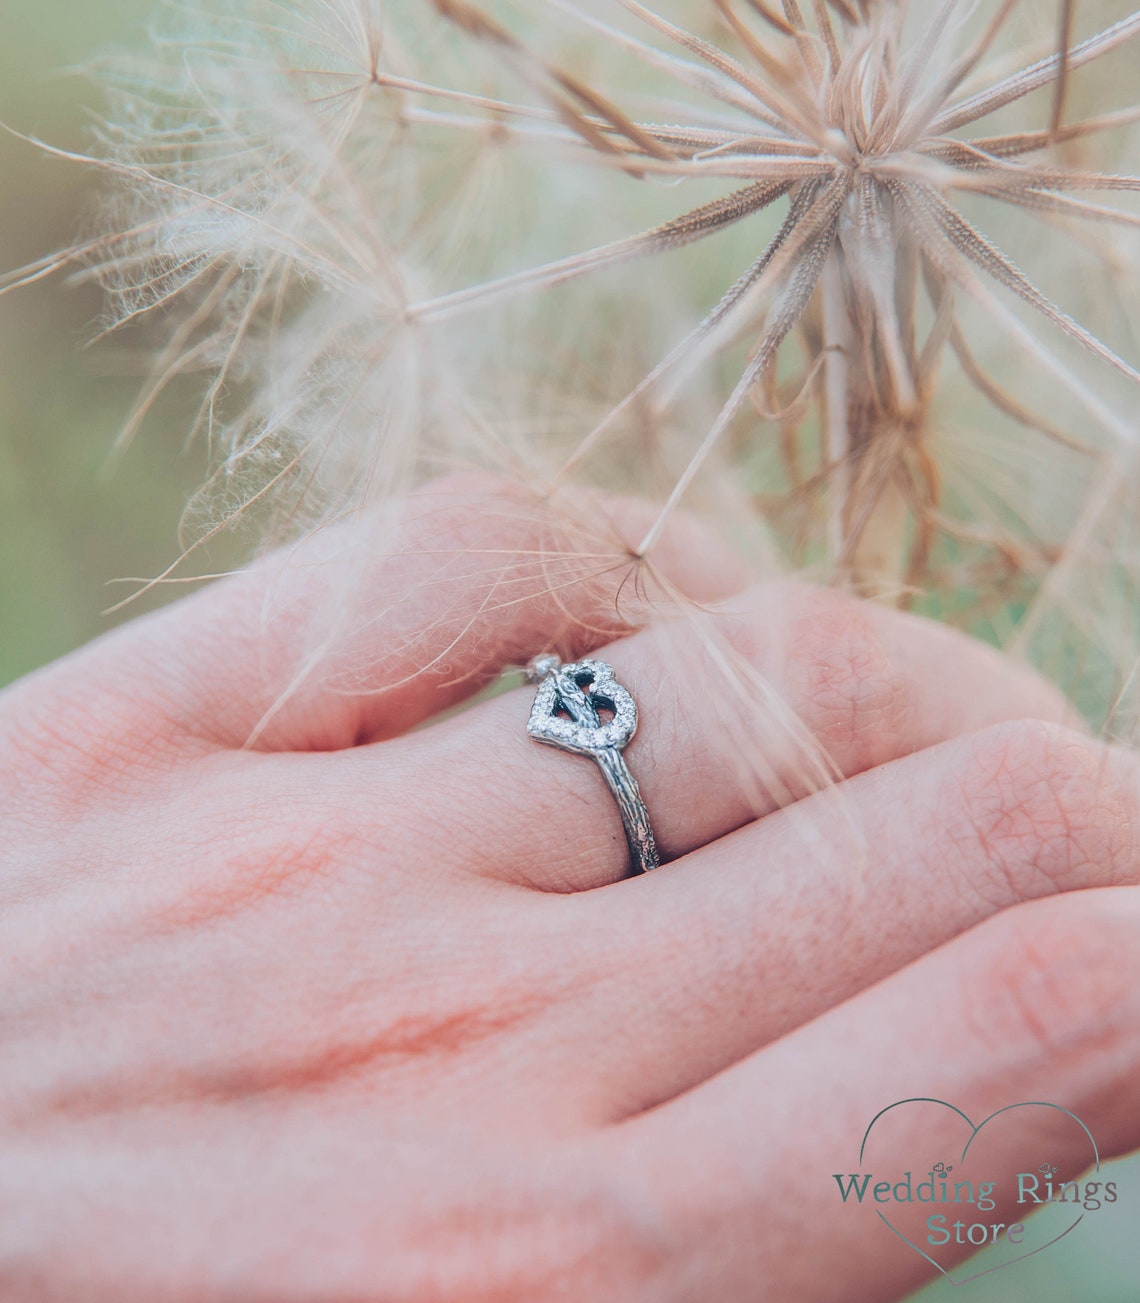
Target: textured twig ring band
pixel 566 715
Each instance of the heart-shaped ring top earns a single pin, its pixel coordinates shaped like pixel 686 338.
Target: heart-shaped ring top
pixel 571 722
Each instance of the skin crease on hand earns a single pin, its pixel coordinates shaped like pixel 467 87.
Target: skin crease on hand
pixel 300 1001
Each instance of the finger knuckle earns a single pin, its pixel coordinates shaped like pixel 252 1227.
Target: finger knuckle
pixel 467 492
pixel 67 740
pixel 1045 811
pixel 1051 984
pixel 546 549
pixel 858 696
pixel 555 1243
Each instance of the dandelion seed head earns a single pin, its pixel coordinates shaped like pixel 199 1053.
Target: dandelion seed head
pixel 768 266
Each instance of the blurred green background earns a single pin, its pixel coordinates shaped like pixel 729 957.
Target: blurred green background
pixel 73 520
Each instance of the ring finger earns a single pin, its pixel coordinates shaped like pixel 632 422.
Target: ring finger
pixel 743 710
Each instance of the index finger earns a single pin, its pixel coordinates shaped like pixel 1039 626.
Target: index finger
pixel 366 629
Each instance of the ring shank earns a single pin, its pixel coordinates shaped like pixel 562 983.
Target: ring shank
pixel 643 854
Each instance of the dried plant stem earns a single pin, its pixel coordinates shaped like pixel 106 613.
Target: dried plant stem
pixel 1068 14
pixel 879 560
pixel 838 342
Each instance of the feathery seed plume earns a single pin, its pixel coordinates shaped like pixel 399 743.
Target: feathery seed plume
pixel 399 238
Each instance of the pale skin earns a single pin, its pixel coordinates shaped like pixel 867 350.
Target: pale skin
pixel 354 1012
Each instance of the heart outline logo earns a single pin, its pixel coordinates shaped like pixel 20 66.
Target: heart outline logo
pixel 975 1131
pixel 546 725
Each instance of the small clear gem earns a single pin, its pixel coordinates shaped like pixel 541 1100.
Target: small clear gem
pixel 541 666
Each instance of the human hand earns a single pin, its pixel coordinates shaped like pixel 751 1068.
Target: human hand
pixel 359 1012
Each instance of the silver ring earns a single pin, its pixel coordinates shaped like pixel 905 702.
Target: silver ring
pixel 566 715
